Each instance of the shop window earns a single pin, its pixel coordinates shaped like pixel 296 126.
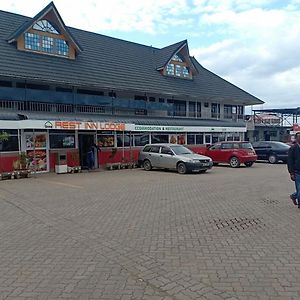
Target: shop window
pixel 199 139
pixel 215 138
pixel 207 139
pixel 229 137
pixel 105 140
pixel 159 138
pixel 191 139
pixel 221 137
pixel 177 139
pixel 12 143
pixel 58 141
pixel 141 139
pixel 124 140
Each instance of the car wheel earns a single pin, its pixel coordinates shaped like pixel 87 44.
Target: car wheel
pixel 272 159
pixel 249 164
pixel 234 162
pixel 181 168
pixel 147 165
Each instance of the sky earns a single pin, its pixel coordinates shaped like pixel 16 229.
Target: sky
pixel 254 44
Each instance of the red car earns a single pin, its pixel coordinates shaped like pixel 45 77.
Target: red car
pixel 234 153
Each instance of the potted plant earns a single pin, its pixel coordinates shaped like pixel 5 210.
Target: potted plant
pixel 21 166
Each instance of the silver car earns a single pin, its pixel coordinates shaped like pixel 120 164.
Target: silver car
pixel 172 156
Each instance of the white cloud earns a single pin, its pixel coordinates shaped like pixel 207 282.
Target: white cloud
pixel 259 52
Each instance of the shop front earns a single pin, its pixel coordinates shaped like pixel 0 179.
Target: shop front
pixel 42 140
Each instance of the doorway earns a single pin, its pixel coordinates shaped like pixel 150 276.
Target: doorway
pixel 84 142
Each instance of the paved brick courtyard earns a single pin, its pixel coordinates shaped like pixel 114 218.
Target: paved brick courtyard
pixel 131 234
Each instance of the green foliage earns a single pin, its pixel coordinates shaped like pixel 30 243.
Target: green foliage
pixel 4 136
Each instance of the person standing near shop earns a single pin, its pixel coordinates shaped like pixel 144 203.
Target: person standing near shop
pixel 294 168
pixel 91 155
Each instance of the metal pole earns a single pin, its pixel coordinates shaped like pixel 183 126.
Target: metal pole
pixel 34 158
pixel 19 141
pixel 123 144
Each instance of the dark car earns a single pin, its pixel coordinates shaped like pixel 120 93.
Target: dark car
pixel 271 151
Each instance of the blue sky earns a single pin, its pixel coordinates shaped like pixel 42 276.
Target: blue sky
pixel 254 44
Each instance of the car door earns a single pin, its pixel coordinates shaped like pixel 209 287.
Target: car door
pixel 227 150
pixel 153 156
pixel 167 159
pixel 215 153
pixel 264 150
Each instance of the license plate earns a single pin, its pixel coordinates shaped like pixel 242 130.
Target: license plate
pixel 205 165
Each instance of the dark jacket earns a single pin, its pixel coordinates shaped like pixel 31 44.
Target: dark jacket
pixel 294 159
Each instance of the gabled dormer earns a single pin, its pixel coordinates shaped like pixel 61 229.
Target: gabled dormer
pixel 46 34
pixel 178 63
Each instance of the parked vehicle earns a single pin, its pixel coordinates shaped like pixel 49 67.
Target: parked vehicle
pixel 176 157
pixel 271 151
pixel 234 153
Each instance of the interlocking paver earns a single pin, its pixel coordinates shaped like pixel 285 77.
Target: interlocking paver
pixel 131 234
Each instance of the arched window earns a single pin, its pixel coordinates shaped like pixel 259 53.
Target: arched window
pixel 46 26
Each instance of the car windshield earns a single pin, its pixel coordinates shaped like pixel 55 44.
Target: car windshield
pixel 179 150
pixel 246 146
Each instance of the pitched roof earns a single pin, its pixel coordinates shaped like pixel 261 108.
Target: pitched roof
pixel 112 63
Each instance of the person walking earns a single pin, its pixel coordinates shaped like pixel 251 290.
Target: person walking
pixel 293 165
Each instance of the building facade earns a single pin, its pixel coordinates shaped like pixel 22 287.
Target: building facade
pixel 62 89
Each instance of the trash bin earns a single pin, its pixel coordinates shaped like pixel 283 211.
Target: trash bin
pixel 61 163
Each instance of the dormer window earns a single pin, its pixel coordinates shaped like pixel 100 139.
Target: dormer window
pixel 44 38
pixel 46 26
pixel 47 44
pixel 177 67
pixel 46 33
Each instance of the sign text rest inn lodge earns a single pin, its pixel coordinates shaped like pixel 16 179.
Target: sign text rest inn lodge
pixel 89 125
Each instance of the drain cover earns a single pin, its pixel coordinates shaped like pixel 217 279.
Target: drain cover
pixel 237 224
pixel 270 201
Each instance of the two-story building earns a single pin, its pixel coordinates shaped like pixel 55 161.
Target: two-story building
pixel 63 88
